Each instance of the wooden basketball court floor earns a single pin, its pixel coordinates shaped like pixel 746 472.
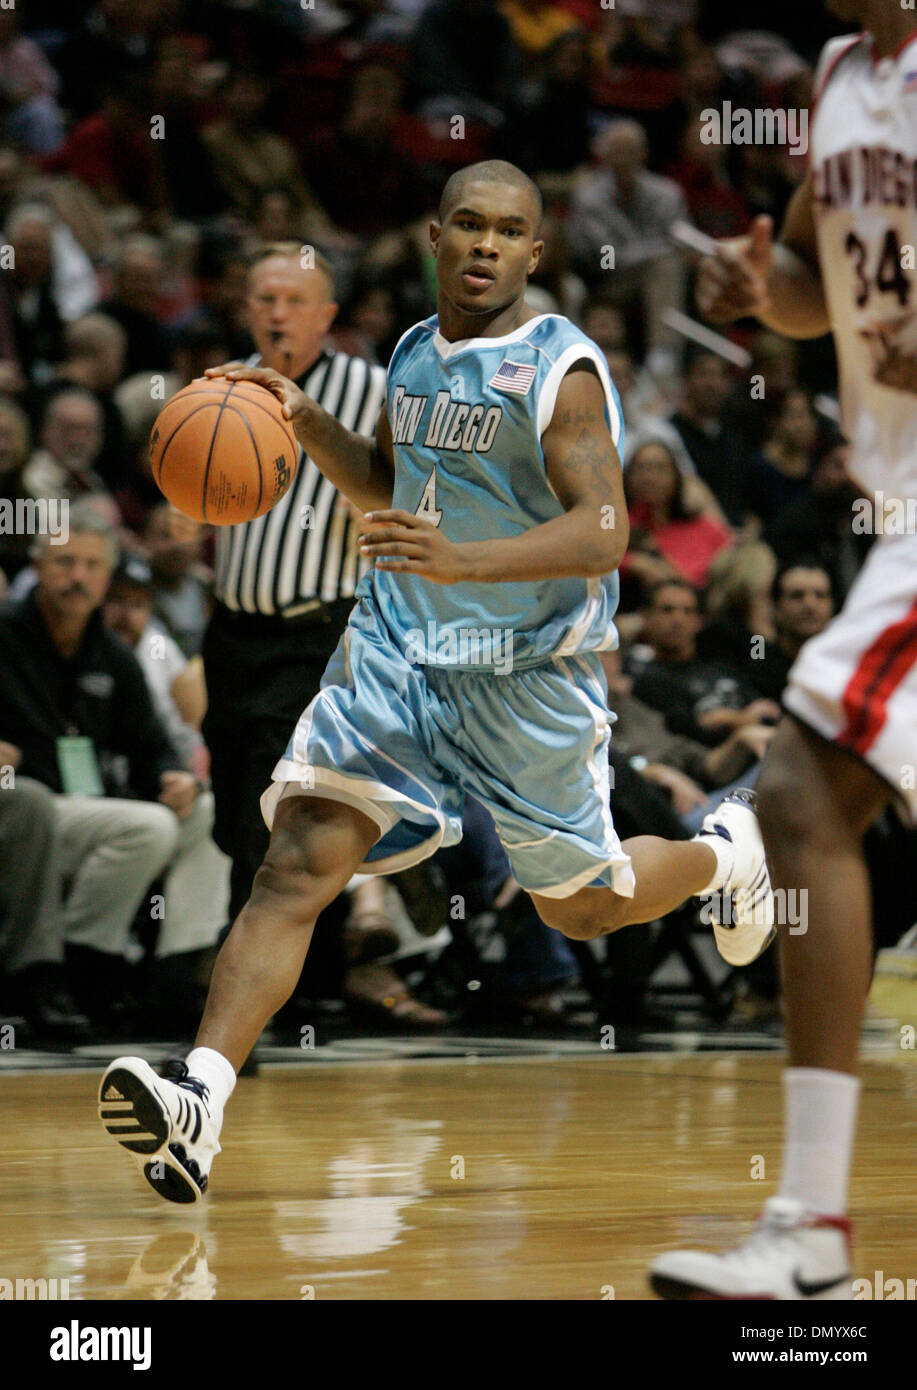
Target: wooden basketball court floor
pixel 523 1178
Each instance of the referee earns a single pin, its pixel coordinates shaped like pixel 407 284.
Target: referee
pixel 284 583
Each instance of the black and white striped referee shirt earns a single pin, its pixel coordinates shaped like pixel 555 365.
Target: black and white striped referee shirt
pixel 304 548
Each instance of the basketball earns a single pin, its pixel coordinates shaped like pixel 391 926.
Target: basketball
pixel 221 451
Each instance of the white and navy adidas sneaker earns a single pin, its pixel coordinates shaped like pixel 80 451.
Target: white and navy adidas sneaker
pixel 791 1255
pixel 165 1123
pixel 743 910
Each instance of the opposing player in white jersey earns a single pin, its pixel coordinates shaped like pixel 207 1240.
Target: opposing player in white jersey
pixel 848 747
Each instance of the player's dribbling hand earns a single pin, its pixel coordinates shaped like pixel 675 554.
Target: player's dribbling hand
pixel 398 540
pixel 733 283
pixel 295 404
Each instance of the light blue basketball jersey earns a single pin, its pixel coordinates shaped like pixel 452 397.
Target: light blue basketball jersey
pixel 467 420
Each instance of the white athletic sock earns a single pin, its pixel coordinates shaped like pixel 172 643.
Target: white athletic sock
pixel 725 852
pixel 217 1074
pixel 821 1112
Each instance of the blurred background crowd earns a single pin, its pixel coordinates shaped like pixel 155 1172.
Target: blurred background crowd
pixel 148 148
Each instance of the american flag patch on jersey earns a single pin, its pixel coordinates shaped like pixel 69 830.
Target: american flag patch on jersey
pixel 513 376
pixel 910 81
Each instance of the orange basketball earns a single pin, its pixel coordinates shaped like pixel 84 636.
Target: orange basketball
pixel 222 452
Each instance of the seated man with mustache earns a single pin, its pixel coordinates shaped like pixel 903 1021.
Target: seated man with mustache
pixel 75 706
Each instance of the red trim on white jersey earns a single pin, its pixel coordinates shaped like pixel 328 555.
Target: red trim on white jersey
pixel 899 50
pixel 831 69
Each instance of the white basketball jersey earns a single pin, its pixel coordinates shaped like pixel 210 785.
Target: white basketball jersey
pixel 863 154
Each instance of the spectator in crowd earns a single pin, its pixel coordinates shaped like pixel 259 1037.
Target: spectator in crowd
pixel 95 350
pixel 602 321
pixel 701 171
pixel 181 585
pixel 135 303
pixel 684 770
pixel 773 370
pixel 819 522
pixel 180 291
pixel 37 322
pixel 548 117
pixel 706 700
pixel 554 288
pixel 767 173
pixel 112 150
pixel 176 684
pixel 74 702
pixel 33 973
pixel 76 209
pixel 275 216
pixel 111 36
pixel 781 473
pixel 739 607
pixel 699 422
pixel 536 962
pixel 620 207
pixel 29 86
pixel 372 987
pixel 804 603
pixel 136 493
pixel 705 83
pixel 191 187
pixel 536 25
pixel 15 448
pixel 667 535
pixel 72 435
pixel 222 269
pixel 196 885
pixel 637 38
pixel 463 59
pixel 197 345
pixel 362 179
pixel 371 321
pixel 248 157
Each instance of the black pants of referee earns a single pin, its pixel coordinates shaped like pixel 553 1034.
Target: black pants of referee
pixel 261 674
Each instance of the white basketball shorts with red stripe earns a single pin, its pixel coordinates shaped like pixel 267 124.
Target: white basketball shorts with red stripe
pixel 856 682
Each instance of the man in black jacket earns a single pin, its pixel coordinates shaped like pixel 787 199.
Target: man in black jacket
pixel 75 706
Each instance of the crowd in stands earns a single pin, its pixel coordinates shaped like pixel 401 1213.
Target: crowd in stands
pixel 147 149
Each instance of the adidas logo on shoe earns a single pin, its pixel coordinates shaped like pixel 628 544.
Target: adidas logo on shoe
pixel 165 1123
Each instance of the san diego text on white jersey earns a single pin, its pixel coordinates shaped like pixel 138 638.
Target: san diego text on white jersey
pixel 863 152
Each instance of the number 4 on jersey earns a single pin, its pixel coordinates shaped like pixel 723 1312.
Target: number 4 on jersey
pixel 427 508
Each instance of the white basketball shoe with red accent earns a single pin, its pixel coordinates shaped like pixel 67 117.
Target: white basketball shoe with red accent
pixel 791 1255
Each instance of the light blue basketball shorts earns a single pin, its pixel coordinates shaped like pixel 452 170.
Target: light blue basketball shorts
pixel 404 743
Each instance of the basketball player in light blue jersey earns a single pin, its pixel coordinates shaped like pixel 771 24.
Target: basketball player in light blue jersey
pixel 495 519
